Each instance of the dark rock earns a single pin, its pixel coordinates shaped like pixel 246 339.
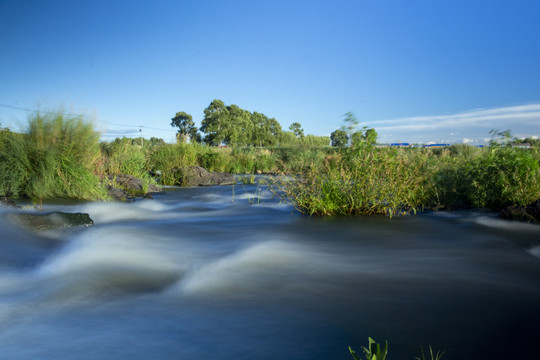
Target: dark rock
pixel 118 194
pixel 6 202
pixel 198 176
pixel 128 186
pixel 51 221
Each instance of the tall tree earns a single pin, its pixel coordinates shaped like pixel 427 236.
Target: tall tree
pixel 339 138
pixel 184 122
pixel 214 122
pixel 266 131
pixel 296 128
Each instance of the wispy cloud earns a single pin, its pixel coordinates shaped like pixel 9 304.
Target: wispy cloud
pixel 473 125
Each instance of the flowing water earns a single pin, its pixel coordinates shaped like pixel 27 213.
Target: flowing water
pixel 230 273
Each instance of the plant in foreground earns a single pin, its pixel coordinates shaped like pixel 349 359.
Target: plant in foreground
pixel 374 352
pixel 437 356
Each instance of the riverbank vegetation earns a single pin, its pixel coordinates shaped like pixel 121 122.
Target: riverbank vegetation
pixel 61 156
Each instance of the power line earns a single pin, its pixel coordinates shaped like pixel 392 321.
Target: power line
pixel 71 114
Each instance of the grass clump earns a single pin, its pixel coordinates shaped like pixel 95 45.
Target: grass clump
pixel 54 158
pixel 367 180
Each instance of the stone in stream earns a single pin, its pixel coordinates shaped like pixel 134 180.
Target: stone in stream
pixel 125 187
pixel 199 176
pixel 51 221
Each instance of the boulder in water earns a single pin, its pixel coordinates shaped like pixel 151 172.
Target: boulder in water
pixel 129 186
pixel 51 221
pixel 199 176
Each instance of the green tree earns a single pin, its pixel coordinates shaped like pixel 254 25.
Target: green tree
pixel 339 138
pixel 296 128
pixel 214 122
pixel 266 131
pixel 370 136
pixel 239 126
pixel 184 122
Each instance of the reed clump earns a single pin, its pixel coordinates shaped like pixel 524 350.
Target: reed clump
pixel 368 180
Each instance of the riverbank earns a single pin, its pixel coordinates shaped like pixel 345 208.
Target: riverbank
pixel 60 157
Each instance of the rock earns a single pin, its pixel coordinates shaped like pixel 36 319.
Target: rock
pixel 129 186
pixel 6 202
pixel 118 194
pixel 198 176
pixel 51 221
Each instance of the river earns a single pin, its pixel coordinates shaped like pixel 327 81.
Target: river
pixel 232 273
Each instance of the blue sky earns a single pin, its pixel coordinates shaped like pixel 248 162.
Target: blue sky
pixel 416 71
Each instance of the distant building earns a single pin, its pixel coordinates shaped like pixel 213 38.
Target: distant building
pixel 522 145
pixel 436 145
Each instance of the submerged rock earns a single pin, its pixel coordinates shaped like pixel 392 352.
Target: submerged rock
pixel 51 221
pixel 199 176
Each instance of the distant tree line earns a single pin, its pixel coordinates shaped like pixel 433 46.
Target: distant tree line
pixel 231 125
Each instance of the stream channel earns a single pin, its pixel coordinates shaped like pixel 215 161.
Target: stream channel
pixel 231 273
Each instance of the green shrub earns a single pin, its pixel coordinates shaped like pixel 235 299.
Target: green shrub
pixel 367 181
pixel 504 176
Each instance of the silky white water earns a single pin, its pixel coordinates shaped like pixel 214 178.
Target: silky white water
pixel 229 273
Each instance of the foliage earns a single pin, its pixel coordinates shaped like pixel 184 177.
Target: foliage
pixel 233 126
pixel 367 181
pixel 56 157
pixel 14 163
pixel 186 127
pixel 339 138
pixel 433 356
pixel 297 130
pixel 503 177
pixel 122 156
pixel 373 351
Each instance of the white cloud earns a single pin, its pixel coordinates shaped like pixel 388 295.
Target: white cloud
pixel 523 120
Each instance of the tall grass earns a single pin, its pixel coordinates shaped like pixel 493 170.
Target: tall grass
pixel 62 153
pixel 367 181
pixel 14 164
pixel 55 157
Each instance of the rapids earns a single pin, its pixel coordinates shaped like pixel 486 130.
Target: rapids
pixel 231 273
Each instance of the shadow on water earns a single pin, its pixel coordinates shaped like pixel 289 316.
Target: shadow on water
pixel 201 273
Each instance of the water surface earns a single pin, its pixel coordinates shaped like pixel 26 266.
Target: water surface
pixel 231 273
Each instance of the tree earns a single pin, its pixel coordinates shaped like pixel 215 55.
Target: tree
pixel 214 122
pixel 296 128
pixel 184 122
pixel 266 131
pixel 370 136
pixel 500 138
pixel 339 138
